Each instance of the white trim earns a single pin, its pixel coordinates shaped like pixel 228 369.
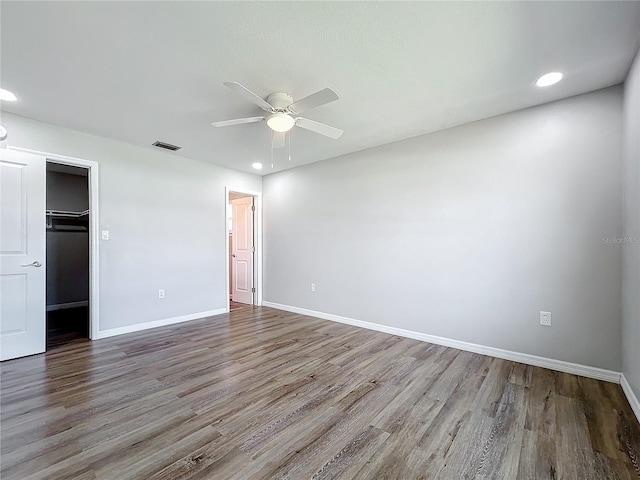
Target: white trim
pixel 631 396
pixel 64 306
pixel 258 228
pixel 567 367
pixel 158 323
pixel 94 223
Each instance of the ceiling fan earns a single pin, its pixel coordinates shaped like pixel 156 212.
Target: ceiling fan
pixel 282 110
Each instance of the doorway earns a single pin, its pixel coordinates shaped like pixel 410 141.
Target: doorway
pixel 243 248
pixel 67 254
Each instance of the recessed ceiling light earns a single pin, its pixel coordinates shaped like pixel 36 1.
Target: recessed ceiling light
pixel 257 165
pixel 549 79
pixel 7 95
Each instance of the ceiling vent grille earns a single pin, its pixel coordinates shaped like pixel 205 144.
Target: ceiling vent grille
pixel 166 146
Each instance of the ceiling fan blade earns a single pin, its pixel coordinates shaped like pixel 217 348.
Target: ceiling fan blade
pixel 318 127
pixel 237 121
pixel 278 139
pixel 314 100
pixel 249 95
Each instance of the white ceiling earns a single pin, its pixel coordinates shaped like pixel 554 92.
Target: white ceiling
pixel 146 71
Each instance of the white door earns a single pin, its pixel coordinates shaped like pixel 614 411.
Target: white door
pixel 22 254
pixel 242 250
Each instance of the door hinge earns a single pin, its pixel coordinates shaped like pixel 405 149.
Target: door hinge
pixel 253 249
pixel 253 289
pixel 253 208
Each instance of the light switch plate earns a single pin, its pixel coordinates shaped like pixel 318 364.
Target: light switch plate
pixel 105 234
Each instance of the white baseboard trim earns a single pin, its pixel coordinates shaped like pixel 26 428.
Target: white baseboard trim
pixel 631 397
pixel 559 365
pixel 62 306
pixel 112 332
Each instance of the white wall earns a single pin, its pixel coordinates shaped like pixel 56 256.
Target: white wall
pixel 166 217
pixel 631 249
pixel 466 233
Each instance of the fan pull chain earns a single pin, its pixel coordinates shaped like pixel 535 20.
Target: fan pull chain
pixel 272 136
pixel 289 145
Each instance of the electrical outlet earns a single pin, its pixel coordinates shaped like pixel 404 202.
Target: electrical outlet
pixel 313 287
pixel 545 319
pixel 161 293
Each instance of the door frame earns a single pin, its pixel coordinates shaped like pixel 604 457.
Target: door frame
pixel 257 232
pixel 94 223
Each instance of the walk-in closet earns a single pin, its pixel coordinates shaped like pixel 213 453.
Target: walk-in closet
pixel 67 254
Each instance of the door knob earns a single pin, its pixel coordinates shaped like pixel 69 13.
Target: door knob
pixel 34 264
pixel 233 255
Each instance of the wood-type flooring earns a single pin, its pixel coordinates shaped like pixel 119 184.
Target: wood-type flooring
pixel 264 394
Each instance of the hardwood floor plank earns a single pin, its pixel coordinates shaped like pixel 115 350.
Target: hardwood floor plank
pixel 538 458
pixel 463 457
pixel 501 453
pixel 488 398
pixel 156 453
pixel 261 394
pixel 354 412
pixel 405 428
pixel 343 460
pixel 575 455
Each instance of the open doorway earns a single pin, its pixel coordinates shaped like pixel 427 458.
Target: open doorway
pixel 243 252
pixel 67 254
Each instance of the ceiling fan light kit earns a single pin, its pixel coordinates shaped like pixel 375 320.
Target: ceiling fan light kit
pixel 280 122
pixel 281 109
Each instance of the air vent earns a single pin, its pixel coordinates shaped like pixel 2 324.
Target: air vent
pixel 166 146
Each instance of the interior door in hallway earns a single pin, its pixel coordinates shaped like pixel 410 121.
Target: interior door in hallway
pixel 22 254
pixel 242 250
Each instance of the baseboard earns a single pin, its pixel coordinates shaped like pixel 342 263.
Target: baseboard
pixel 559 365
pixel 112 332
pixel 63 306
pixel 631 397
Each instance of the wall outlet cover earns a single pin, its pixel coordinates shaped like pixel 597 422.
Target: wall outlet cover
pixel 545 319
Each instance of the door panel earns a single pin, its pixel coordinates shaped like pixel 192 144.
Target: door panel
pixel 22 254
pixel 242 282
pixel 12 192
pixel 13 311
pixel 242 250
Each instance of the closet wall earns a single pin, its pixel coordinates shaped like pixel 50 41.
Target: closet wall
pixel 68 240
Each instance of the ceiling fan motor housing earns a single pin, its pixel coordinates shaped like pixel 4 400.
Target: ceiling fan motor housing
pixel 280 101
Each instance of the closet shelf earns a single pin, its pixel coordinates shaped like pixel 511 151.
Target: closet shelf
pixel 67 221
pixel 66 213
